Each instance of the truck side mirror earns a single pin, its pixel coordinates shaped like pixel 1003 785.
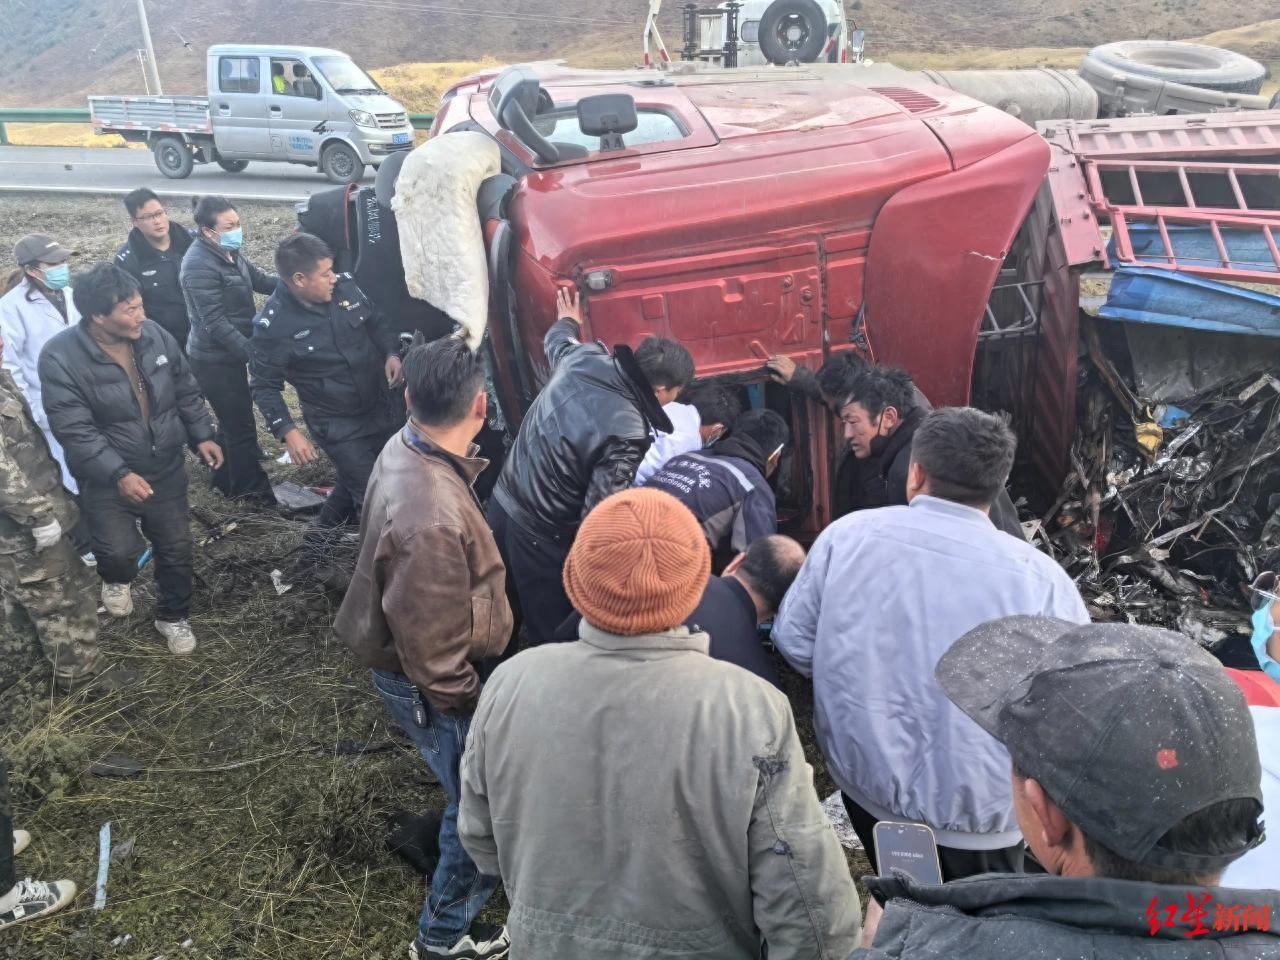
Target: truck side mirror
pixel 608 116
pixel 515 98
pixel 857 44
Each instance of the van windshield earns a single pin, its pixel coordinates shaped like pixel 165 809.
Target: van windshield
pixel 344 76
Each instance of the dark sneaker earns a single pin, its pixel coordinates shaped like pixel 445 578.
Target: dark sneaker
pixel 35 898
pixel 484 941
pixel 415 839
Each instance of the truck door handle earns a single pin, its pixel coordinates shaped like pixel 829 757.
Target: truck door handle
pixel 277 111
pixel 224 108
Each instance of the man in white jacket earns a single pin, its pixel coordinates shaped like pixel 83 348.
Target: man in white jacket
pixel 883 594
pixel 38 307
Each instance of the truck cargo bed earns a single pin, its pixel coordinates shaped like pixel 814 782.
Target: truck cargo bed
pixel 169 114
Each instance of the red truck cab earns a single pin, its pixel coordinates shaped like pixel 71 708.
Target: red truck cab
pixel 747 214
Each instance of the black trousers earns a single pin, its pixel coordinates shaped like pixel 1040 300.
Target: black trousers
pixel 955 863
pixel 8 878
pixel 226 387
pixel 353 459
pixel 113 524
pixel 535 577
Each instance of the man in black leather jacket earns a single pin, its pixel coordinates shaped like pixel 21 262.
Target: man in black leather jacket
pixel 582 440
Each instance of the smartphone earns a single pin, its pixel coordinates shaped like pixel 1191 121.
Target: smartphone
pixel 909 847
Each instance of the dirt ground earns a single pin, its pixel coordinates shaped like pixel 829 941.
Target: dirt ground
pixel 268 766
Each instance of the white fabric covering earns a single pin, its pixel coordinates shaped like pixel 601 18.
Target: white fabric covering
pixel 441 238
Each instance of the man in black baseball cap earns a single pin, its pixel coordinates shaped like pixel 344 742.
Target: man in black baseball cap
pixel 1136 782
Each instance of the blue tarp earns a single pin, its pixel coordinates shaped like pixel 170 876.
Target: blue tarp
pixel 1194 247
pixel 1173 299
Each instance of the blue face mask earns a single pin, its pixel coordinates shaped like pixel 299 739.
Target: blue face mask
pixel 1263 628
pixel 231 239
pixel 57 278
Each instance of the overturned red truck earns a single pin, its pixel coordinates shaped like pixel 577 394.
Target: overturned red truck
pixel 785 211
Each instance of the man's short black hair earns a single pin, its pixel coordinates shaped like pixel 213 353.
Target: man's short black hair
pixel 765 427
pixel 135 200
pixel 965 453
pixel 443 378
pixel 714 402
pixel 771 566
pixel 97 289
pixel 299 253
pixel 877 388
pixel 1216 830
pixel 837 376
pixel 206 210
pixel 665 363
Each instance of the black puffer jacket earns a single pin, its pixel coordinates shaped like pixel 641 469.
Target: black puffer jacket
pixel 157 271
pixel 582 439
pixel 95 415
pixel 220 302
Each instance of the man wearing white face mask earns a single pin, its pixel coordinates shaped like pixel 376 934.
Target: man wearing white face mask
pixel 38 306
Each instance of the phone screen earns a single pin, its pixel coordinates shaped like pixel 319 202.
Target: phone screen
pixel 909 847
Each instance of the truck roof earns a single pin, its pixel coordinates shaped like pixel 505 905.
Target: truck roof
pixel 271 50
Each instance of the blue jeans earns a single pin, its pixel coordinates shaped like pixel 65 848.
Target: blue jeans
pixel 458 889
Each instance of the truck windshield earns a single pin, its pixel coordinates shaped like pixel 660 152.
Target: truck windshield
pixel 344 76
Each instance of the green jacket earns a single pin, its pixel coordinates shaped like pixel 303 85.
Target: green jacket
pixel 640 799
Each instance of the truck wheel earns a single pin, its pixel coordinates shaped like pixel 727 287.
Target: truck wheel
pixel 793 31
pixel 173 158
pixel 341 164
pixel 231 166
pixel 1275 102
pixel 1193 64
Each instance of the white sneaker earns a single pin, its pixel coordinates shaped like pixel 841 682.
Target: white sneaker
pixel 21 840
pixel 117 598
pixel 178 633
pixel 89 560
pixel 34 898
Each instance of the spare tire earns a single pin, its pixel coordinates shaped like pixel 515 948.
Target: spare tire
pixel 1194 64
pixel 793 31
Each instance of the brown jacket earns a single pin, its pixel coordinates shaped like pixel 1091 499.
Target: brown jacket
pixel 428 598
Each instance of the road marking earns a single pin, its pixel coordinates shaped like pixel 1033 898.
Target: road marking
pixel 163 191
pixel 73 163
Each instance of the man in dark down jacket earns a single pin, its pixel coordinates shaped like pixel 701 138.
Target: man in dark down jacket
pixel 1136 782
pixel 319 332
pixel 153 256
pixel 582 440
pixel 726 486
pixel 880 414
pixel 123 403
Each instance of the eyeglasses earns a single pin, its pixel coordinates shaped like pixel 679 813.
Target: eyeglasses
pixel 151 217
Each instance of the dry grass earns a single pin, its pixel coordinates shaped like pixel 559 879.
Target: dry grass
pixel 419 86
pixel 61 135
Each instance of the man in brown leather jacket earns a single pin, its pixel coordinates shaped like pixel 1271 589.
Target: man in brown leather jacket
pixel 427 603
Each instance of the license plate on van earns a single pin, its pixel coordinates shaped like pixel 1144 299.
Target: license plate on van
pixel 400 138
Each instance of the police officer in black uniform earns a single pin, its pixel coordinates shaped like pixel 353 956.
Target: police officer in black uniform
pixel 319 332
pixel 153 256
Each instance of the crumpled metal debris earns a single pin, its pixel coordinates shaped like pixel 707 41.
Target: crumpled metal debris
pixel 1169 533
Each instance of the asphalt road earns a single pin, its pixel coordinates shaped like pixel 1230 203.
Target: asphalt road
pixel 117 170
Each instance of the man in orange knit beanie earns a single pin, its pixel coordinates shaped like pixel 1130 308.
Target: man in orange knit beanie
pixel 637 796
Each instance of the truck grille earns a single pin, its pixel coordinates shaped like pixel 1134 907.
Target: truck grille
pixel 913 100
pixel 392 121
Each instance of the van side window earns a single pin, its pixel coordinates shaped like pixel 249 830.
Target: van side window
pixel 291 78
pixel 239 75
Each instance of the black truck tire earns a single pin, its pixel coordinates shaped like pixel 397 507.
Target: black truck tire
pixel 1275 102
pixel 341 164
pixel 231 166
pixel 173 157
pixel 1193 64
pixel 793 31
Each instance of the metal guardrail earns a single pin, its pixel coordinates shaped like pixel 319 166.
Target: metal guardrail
pixel 420 121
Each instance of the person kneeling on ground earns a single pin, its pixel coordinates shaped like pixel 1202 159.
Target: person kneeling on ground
pixel 123 403
pixel 735 604
pixel 638 797
pixel 426 604
pixel 727 487
pixel 881 596
pixel 1136 782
